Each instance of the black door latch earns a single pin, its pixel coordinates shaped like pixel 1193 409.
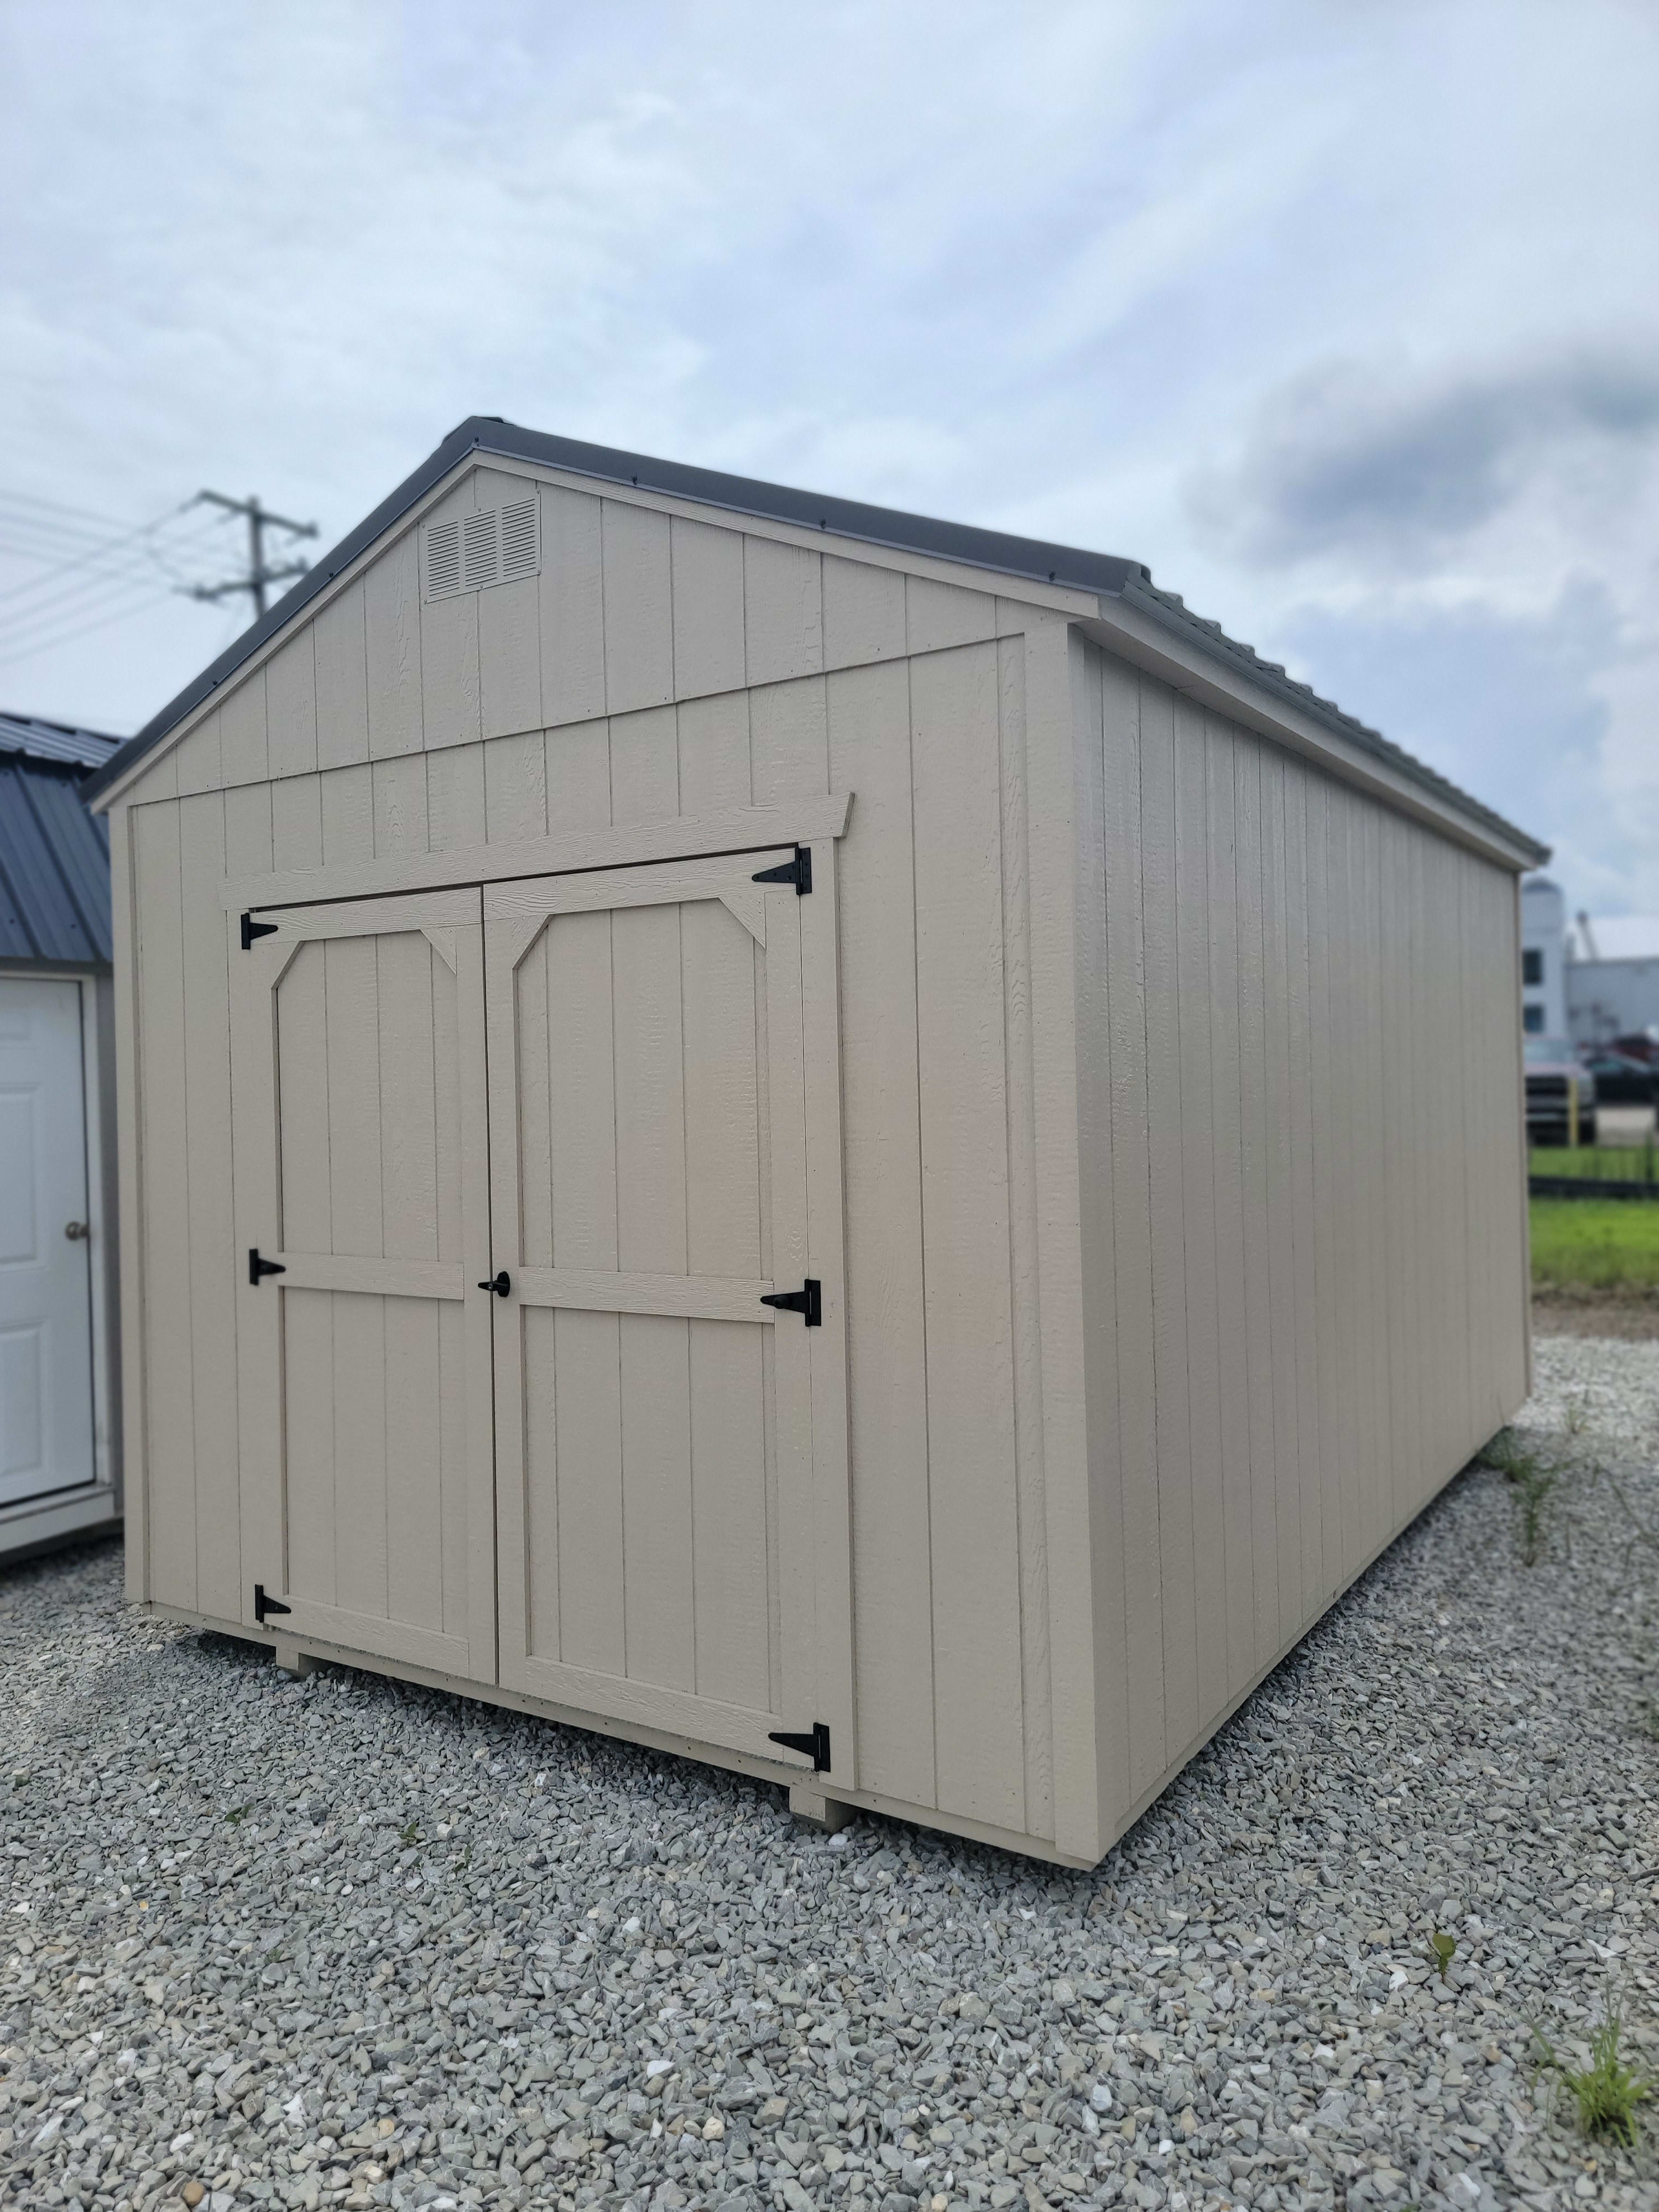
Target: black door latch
pixel 257 1266
pixel 263 1605
pixel 501 1284
pixel 813 1742
pixel 798 871
pixel 808 1301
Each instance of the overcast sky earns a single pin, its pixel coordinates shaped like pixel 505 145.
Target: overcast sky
pixel 1341 317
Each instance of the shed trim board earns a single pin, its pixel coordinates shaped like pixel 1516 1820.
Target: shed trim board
pixel 740 829
pixel 1143 635
pixel 1027 570
pixel 1028 990
pixel 788 1774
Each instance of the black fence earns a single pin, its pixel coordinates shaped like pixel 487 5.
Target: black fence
pixel 1594 1171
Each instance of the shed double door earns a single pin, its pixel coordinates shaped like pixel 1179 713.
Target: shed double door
pixel 619 1482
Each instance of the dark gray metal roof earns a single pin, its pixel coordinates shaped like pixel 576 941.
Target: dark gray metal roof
pixel 1108 575
pixel 54 856
pixel 55 741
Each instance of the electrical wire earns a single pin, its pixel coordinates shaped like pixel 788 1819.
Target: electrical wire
pixel 119 613
pixel 93 579
pixel 79 595
pixel 59 507
pixel 102 554
pixel 76 584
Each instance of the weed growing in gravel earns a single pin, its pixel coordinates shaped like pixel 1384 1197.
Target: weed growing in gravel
pixel 1607 2091
pixel 1637 1522
pixel 1443 1948
pixel 1533 1481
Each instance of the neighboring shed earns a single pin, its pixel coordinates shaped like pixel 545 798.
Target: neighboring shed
pixel 59 1320
pixel 844 1144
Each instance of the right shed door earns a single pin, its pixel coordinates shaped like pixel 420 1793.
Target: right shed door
pixel 672 1533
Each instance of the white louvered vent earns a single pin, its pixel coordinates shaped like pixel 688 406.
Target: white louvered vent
pixel 519 551
pixel 443 559
pixel 480 563
pixel 470 552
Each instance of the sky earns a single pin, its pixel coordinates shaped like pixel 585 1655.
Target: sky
pixel 1340 317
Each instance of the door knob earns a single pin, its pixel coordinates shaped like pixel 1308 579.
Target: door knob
pixel 501 1284
pixel 75 1231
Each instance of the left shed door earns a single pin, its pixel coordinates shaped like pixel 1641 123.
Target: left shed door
pixel 363 1173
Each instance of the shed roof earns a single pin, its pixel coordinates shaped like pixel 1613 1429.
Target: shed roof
pixel 55 741
pixel 1108 575
pixel 54 855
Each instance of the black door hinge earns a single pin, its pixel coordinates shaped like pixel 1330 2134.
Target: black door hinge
pixel 263 1605
pixel 808 1301
pixel 798 871
pixel 813 1742
pixel 501 1284
pixel 257 1266
pixel 250 929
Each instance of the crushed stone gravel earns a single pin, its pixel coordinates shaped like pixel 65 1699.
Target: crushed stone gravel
pixel 344 1942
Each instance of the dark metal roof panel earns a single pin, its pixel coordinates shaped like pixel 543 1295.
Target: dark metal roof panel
pixel 54 867
pixel 54 741
pixel 1107 576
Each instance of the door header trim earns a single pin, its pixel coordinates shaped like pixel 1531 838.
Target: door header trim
pixel 623 845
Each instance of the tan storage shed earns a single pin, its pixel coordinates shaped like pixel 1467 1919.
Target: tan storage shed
pixel 605 899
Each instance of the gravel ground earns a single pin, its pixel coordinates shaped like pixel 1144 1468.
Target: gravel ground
pixel 1599 1313
pixel 342 1941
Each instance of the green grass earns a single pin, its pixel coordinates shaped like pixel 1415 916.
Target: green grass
pixel 1596 1243
pixel 1600 1163
pixel 1606 2092
pixel 1534 1483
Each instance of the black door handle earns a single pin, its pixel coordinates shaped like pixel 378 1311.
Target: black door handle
pixel 501 1284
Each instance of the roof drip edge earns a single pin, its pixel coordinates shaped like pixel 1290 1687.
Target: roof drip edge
pixel 1109 576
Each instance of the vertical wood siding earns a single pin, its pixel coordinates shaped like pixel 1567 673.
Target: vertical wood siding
pixel 1294 1194
pixel 1300 1180
pixel 652 670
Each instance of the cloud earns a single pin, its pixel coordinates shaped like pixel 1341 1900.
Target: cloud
pixel 1389 269
pixel 1392 470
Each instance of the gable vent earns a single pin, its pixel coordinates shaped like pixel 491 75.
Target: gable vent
pixel 443 559
pixel 518 534
pixel 480 555
pixel 470 552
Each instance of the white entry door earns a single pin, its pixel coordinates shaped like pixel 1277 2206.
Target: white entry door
pixel 363 1213
pixel 45 1292
pixel 672 1467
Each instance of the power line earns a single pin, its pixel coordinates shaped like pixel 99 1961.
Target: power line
pixel 48 598
pixel 58 505
pixel 92 578
pixel 259 572
pixel 105 555
pixel 133 599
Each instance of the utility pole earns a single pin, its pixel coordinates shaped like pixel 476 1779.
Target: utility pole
pixel 259 520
